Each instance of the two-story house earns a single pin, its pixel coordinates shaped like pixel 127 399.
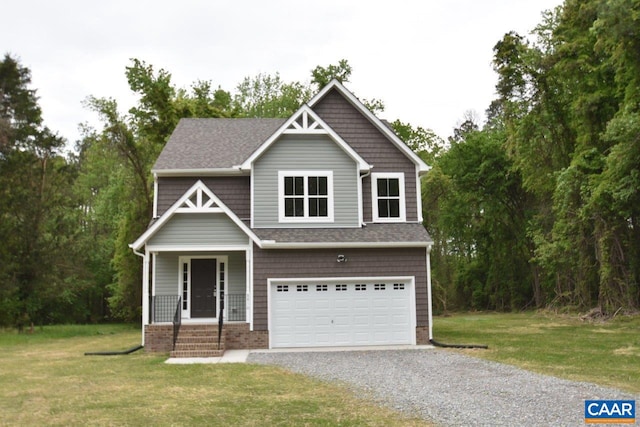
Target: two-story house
pixel 298 232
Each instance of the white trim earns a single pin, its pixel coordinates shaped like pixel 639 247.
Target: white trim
pixel 251 207
pixel 353 100
pixel 249 287
pixel 197 188
pixel 155 195
pixel 186 259
pixel 411 280
pixel 325 129
pixel 360 179
pixel 374 196
pixel 145 292
pixel 272 244
pixel 194 248
pixel 419 196
pixel 282 174
pixel 429 297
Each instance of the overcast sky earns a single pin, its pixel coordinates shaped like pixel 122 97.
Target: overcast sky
pixel 429 61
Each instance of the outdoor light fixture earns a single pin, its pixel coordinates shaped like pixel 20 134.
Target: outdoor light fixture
pixel 341 258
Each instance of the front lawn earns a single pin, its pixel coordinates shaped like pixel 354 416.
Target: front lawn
pixel 605 353
pixel 45 379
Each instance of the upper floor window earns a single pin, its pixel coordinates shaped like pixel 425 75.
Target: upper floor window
pixel 388 197
pixel 305 196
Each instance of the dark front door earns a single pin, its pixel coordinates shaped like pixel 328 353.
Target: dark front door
pixel 203 287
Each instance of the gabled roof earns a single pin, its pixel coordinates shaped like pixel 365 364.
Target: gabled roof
pixel 198 199
pixel 201 146
pixel 306 122
pixel 379 124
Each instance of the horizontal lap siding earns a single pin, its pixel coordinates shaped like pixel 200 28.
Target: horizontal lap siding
pixel 168 280
pixel 305 153
pixel 199 229
pixel 322 264
pixel 372 145
pixel 232 191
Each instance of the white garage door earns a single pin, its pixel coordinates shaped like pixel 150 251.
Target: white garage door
pixel 321 314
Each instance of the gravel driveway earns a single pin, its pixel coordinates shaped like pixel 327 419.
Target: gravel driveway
pixel 448 388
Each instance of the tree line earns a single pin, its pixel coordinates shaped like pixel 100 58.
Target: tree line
pixel 541 207
pixel 538 206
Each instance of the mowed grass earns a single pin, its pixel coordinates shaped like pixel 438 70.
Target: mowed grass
pixel 605 353
pixel 45 379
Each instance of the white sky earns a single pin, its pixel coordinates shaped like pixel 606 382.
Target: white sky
pixel 428 60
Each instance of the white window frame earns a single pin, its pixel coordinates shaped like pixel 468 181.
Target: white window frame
pixel 374 196
pixel 306 218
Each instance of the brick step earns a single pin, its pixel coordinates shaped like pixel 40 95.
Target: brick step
pixel 198 346
pixel 199 339
pixel 198 332
pixel 197 353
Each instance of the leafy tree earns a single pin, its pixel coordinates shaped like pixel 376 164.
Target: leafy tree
pixel 322 76
pixel 268 96
pixel 39 280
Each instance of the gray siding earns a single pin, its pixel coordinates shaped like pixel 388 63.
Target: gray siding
pixel 305 153
pixel 322 263
pixel 233 191
pixel 167 266
pixel 372 145
pixel 199 229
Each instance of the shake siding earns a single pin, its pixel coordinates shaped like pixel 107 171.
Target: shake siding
pixel 168 281
pixel 199 229
pixel 372 145
pixel 305 153
pixel 322 263
pixel 233 191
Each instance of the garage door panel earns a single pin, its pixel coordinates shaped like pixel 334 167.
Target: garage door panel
pixel 341 314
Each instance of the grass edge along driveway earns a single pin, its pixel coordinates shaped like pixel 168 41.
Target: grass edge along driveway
pixel 604 353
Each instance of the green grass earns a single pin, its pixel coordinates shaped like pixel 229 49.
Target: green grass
pixel 564 346
pixel 45 379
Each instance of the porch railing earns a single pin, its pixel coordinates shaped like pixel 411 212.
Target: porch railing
pixel 164 308
pixel 236 307
pixel 177 321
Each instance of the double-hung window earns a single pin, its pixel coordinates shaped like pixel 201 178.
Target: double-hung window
pixel 388 197
pixel 305 196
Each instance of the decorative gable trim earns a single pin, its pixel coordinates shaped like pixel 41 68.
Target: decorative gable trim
pixel 421 166
pixel 306 122
pixel 198 199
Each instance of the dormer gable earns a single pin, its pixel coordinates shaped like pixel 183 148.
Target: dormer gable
pixel 198 199
pixel 306 122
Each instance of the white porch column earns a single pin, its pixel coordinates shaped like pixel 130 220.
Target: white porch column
pixel 249 289
pixel 145 292
pixel 429 302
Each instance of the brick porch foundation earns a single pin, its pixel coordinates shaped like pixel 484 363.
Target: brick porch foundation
pixel 159 338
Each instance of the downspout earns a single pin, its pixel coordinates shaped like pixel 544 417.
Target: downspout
pixel 361 207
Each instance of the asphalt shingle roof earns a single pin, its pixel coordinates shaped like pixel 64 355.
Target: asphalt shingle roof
pixel 372 233
pixel 214 143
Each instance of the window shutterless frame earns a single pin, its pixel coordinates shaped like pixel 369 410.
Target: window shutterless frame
pixel 388 197
pixel 305 196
